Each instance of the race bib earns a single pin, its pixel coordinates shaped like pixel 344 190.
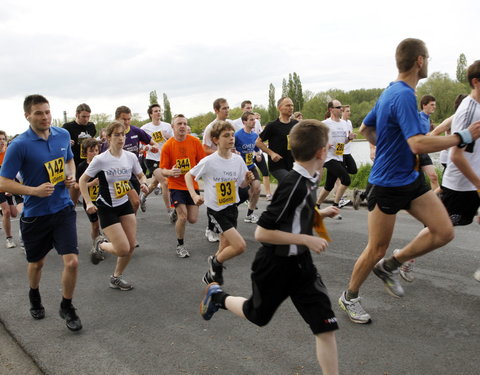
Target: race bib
pixel 249 158
pixel 226 192
pixel 288 142
pixel 93 192
pixel 56 170
pixel 339 149
pixel 184 165
pixel 158 137
pixel 121 188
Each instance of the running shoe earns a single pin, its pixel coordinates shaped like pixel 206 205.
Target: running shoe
pixel 72 320
pixel 9 243
pixel 207 306
pixel 476 275
pixel 143 202
pixel 214 273
pixel 37 311
pixel 96 254
pixel 211 236
pixel 356 199
pixel 182 251
pixel 172 215
pixel 343 202
pixel 406 269
pixel 118 282
pixel 157 190
pixel 390 279
pixel 268 197
pixel 354 310
pixel 251 219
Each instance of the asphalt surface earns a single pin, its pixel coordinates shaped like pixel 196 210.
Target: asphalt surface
pixel 156 328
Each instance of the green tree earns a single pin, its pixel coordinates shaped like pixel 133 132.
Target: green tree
pixel 167 112
pixel 199 123
pixel 153 97
pixel 462 69
pixel 284 88
pixel 298 93
pixel 444 89
pixel 101 120
pixel 272 107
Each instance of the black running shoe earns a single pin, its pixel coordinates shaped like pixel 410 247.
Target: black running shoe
pixel 215 272
pixel 71 318
pixel 37 311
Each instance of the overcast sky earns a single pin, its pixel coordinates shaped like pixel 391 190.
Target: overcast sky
pixel 109 53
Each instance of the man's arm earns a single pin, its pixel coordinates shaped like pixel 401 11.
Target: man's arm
pixel 369 132
pixel 443 127
pixel 278 237
pixel 44 190
pixel 262 146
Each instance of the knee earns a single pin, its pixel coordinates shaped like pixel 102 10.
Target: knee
pixel 72 264
pixel 192 220
pixel 445 236
pixel 433 177
pixel 6 214
pixel 240 247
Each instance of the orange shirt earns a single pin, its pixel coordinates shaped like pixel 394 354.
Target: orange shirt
pixel 185 155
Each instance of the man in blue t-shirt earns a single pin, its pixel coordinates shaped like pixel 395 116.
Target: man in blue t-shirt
pixel 394 126
pixel 245 139
pixel 44 158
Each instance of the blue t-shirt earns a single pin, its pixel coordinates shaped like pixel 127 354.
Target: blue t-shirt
pixel 245 144
pixel 425 119
pixel 395 119
pixel 28 154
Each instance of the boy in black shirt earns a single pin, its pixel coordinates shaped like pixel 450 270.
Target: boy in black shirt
pixel 283 266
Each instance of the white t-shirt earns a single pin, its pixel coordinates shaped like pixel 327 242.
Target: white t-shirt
pixel 221 178
pixel 159 133
pixel 207 139
pixel 337 136
pixel 238 124
pixel 113 175
pixel 467 113
pixel 348 145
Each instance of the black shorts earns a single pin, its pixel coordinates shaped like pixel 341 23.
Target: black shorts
pixel 336 169
pixel 111 215
pixel 93 218
pixel 18 198
pixel 275 278
pixel 181 197
pixel 262 165
pixel 6 198
pixel 349 164
pixel 223 220
pixel 462 206
pixel 151 166
pixel 424 159
pixel 41 233
pixel 390 200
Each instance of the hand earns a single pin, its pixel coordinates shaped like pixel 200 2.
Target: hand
pixel 44 190
pixel 475 129
pixel 275 157
pixel 144 188
pixel 330 211
pixel 352 135
pixel 176 172
pixel 70 182
pixel 198 200
pixel 250 177
pixel 258 158
pixel 372 153
pixel 91 208
pixel 154 149
pixel 315 244
pixel 72 142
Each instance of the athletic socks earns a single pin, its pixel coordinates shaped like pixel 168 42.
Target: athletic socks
pixel 249 212
pixel 180 241
pixel 391 264
pixel 65 303
pixel 34 296
pixel 349 295
pixel 219 299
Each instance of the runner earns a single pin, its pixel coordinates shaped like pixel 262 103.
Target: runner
pixel 222 173
pixel 348 160
pixel 160 132
pixel 394 126
pixel 114 169
pixel 179 155
pixel 9 209
pixel 245 144
pixel 283 266
pixel 44 158
pixel 92 148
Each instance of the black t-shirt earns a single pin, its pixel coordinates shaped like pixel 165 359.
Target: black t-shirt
pixel 276 133
pixel 76 135
pixel 291 210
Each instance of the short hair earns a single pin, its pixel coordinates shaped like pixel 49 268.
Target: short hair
pixel 90 143
pixel 151 107
pixel 32 100
pixel 307 137
pixel 220 126
pixel 246 114
pixel 280 101
pixel 407 53
pixel 177 116
pixel 2 132
pixel 296 115
pixel 217 103
pixel 114 125
pixel 458 101
pixel 83 107
pixel 426 99
pixel 473 71
pixel 122 109
pixel 244 103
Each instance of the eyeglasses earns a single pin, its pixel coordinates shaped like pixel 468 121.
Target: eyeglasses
pixel 339 107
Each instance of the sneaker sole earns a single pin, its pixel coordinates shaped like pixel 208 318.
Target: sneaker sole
pixel 113 286
pixel 406 278
pixel 357 321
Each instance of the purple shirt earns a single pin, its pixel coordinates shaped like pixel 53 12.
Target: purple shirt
pixel 134 137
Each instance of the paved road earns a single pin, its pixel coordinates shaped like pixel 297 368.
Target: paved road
pixel 156 328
